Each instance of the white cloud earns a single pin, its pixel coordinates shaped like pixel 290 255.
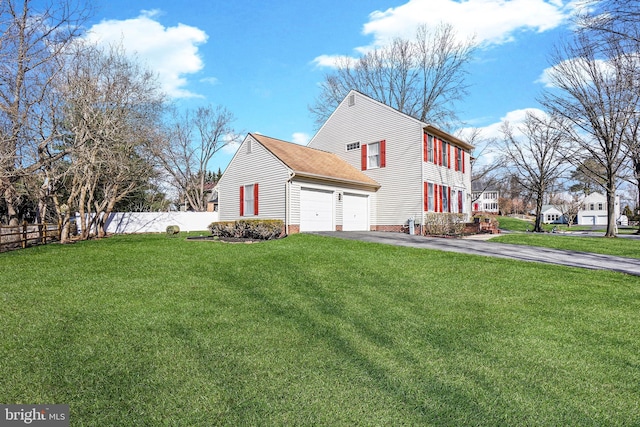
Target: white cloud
pixel 491 22
pixel 488 154
pixel 170 52
pixel 330 60
pixel 210 80
pixel 232 142
pixel 576 67
pixel 515 118
pixel 300 138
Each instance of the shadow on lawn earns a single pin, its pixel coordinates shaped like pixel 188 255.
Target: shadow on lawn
pixel 369 356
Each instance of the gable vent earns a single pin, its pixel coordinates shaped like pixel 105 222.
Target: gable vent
pixel 352 100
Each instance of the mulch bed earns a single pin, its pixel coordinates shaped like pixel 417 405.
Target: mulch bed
pixel 224 239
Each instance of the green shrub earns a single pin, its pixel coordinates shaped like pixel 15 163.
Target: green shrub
pixel 260 229
pixel 173 230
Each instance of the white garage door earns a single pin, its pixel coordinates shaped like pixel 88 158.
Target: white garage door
pixel 316 210
pixel 588 220
pixel 355 212
pixel 602 220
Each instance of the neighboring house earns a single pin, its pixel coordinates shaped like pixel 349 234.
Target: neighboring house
pixel 552 215
pixel 369 167
pixel 485 201
pixel 594 210
pixel 211 188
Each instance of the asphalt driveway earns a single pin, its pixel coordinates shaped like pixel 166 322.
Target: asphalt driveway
pixel 498 250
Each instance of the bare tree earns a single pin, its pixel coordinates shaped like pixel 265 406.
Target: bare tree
pixel 485 164
pixel 113 108
pixel 536 158
pixel 190 142
pixel 422 77
pixel 617 18
pixel 33 38
pixel 594 91
pixel 568 203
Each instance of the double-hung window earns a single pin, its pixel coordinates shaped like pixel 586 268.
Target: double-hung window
pixel 374 155
pixel 249 200
pixel 445 154
pixel 445 199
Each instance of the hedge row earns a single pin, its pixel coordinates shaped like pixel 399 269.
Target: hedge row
pixel 260 229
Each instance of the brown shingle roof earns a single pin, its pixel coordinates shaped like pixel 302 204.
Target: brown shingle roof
pixel 311 162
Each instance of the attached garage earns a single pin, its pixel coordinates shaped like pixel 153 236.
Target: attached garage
pixel 355 212
pixel 316 210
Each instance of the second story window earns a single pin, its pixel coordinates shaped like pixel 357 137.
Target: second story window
pixel 374 155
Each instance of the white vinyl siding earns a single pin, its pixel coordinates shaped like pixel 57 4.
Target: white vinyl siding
pixel 400 194
pixel 261 167
pixel 449 177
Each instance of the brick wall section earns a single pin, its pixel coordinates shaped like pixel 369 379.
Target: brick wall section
pixel 397 228
pixel 294 229
pixel 481 227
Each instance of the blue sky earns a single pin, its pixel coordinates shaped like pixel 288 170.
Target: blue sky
pixel 264 60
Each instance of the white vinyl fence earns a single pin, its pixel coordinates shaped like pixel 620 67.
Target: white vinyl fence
pixel 157 222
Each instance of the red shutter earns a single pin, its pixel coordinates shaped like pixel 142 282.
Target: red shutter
pixel 455 161
pixel 439 152
pixel 449 199
pixel 242 200
pixel 426 197
pixel 383 153
pixel 462 152
pixel 449 155
pixel 436 202
pixel 460 207
pixel 363 158
pixel 255 198
pixel 424 146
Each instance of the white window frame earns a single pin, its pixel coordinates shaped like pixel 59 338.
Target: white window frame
pixel 248 200
pixel 373 160
pixel 353 146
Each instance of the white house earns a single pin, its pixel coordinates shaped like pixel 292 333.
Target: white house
pixel 485 201
pixel 369 167
pixel 552 215
pixel 310 190
pixel 593 210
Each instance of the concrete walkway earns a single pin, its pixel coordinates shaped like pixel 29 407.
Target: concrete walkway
pixel 500 250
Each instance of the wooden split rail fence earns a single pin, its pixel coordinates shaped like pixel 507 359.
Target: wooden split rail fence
pixel 21 236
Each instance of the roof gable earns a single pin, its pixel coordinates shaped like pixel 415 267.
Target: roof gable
pixel 310 162
pixel 345 103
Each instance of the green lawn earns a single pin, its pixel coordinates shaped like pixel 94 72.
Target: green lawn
pixel 514 224
pixel 308 330
pixel 619 247
pixel 599 245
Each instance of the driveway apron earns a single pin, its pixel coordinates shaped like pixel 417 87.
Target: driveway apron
pixel 499 250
